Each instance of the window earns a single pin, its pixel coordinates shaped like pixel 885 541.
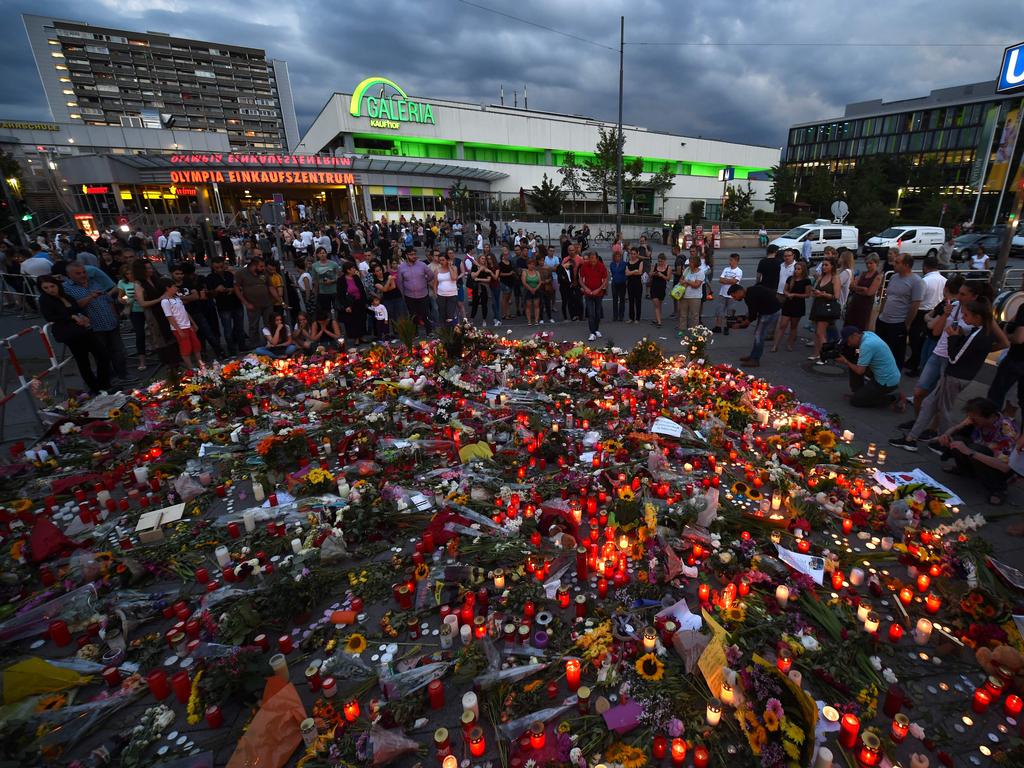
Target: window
pixel 204 73
pixel 833 234
pixel 97 49
pixel 910 234
pixel 132 121
pixel 75 33
pixel 107 88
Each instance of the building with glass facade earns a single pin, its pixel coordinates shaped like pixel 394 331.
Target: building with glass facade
pixel 966 133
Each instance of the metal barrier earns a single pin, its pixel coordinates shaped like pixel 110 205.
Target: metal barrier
pixel 974 274
pixel 24 383
pixel 24 291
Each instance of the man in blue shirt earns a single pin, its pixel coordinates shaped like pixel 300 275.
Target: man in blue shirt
pixel 95 297
pixel 875 377
pixel 617 270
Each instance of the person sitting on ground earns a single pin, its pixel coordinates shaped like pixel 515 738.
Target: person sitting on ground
pixel 277 339
pixel 302 336
pixel 327 331
pixel 980 447
pixel 875 377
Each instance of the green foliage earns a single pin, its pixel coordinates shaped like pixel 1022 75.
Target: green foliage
pixel 738 202
pixel 453 341
pixel 646 354
pixel 601 170
pixel 696 211
pixel 783 186
pixel 405 330
pixel 547 198
pixel 458 194
pixel 821 190
pixel 572 175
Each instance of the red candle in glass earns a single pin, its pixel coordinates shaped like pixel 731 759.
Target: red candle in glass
pixel 659 746
pixel 700 757
pixel 803 545
pixel 581 606
pixel 847 525
pixel 112 676
pixel 602 587
pixel 202 575
pixel 704 592
pixel 221 492
pixel 428 541
pixel 784 662
pixel 263 642
pixel 352 710
pixel 906 595
pixel 538 737
pixel 900 728
pixel 572 673
pixel 1013 705
pixel 182 686
pixel 982 698
pixel 581 562
pixel 234 531
pixel 157 682
pixel 435 693
pixel 284 644
pixel 932 603
pixel 477 743
pixel 849 728
pixel 59 633
pixel 923 582
pixel 837 580
pixel 214 717
pixel 895 633
pixel 678 751
pixel 529 609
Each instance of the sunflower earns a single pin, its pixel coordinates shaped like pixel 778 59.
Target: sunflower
pixel 626 493
pixel 650 667
pixel 740 488
pixel 355 644
pixel 51 702
pixel 771 721
pixel 826 438
pixel 421 572
pixel 626 755
pixel 792 750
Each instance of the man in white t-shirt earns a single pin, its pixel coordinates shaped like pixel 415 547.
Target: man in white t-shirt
pixel 730 276
pixel 306 238
pixel 786 269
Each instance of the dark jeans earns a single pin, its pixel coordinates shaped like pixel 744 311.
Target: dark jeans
pixel 1007 373
pixel 618 302
pixel 765 323
pixel 139 326
pixel 868 393
pixel 917 333
pixel 593 304
pixel 895 336
pixel 480 299
pixel 81 349
pixel 232 320
pixel 568 302
pixel 207 329
pixel 635 291
pixel 111 341
pixel 994 480
pixel 545 305
pixel 419 309
pixel 325 302
pixel 355 321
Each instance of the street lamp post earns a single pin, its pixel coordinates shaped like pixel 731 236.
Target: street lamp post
pixel 618 137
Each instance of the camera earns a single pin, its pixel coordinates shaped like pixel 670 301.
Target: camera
pixel 830 351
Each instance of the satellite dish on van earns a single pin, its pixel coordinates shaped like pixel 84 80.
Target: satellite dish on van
pixel 840 210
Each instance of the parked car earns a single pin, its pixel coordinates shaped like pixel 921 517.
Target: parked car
pixel 820 233
pixel 991 241
pixel 917 241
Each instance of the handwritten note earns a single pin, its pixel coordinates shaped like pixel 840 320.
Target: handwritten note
pixel 663 426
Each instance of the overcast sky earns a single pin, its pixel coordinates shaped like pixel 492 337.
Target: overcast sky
pixel 449 49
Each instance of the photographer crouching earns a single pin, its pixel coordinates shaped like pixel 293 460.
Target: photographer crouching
pixel 875 377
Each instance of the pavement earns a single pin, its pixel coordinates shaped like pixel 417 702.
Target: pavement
pixel 823 386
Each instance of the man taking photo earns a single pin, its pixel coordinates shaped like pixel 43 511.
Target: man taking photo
pixel 875 377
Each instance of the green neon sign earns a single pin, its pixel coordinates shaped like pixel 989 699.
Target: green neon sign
pixel 388 111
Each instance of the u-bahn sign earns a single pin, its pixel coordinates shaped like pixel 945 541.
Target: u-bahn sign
pixel 386 105
pixel 1011 71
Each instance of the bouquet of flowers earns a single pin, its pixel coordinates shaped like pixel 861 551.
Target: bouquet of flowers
pixel 694 342
pixel 776 716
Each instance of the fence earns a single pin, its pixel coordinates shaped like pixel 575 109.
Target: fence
pixel 22 292
pixel 12 367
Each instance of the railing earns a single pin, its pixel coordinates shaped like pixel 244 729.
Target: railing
pixel 24 292
pixel 11 365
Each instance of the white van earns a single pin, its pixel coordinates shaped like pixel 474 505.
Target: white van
pixel 917 241
pixel 820 234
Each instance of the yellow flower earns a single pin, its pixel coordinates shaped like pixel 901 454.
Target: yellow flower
pixel 650 667
pixel 564 727
pixel 355 644
pixel 532 686
pixel 771 721
pixel 793 731
pixel 626 493
pixel 736 613
pixel 826 438
pixel 194 702
pixel 792 750
pixel 625 755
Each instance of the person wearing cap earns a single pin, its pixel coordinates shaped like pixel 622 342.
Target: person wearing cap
pixel 875 377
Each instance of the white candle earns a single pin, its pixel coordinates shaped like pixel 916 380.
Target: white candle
pixel 881 458
pixel 796 677
pixel 257 491
pixel 249 520
pixel 856 577
pixel 782 595
pixel 923 632
pixel 470 704
pixel 824 758
pixel 103 496
pixel 141 474
pixel 222 555
pixel 343 488
pixel 871 623
pixel 446 637
pixel 862 612
pixel 466 634
pixel 328 448
pixel 776 501
pixel 847 436
pixel 296 546
pixel 714 712
pixel 279 664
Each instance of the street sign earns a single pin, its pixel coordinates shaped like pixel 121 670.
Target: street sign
pixel 1011 71
pixel 272 213
pixel 727 174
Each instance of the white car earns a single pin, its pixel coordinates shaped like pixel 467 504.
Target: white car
pixel 820 233
pixel 917 241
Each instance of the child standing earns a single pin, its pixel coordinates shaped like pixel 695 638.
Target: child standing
pixel 181 324
pixel 380 318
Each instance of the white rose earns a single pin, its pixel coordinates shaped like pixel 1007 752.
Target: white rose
pixel 809 643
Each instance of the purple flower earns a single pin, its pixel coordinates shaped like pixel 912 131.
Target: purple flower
pixel 774 705
pixel 675 728
pixel 772 756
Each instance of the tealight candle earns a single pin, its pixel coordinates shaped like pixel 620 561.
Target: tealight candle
pixel 796 677
pixel 871 623
pixel 782 595
pixel 727 695
pixel 824 758
pixel 881 458
pixel 830 713
pixel 856 577
pixel 900 727
pixel 678 751
pixel 982 699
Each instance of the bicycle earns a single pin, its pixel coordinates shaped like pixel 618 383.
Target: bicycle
pixel 603 236
pixel 652 235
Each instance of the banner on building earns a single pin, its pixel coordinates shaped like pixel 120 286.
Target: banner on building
pixel 1003 154
pixel 980 165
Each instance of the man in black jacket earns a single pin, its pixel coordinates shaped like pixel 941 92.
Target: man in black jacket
pixel 764 308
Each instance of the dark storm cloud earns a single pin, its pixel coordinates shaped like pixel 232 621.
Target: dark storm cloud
pixel 447 49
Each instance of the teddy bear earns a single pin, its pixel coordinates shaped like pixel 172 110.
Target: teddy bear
pixel 1003 658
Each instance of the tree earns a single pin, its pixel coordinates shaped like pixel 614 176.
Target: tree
pixel 661 182
pixel 458 194
pixel 601 170
pixel 696 211
pixel 572 175
pixel 738 204
pixel 11 170
pixel 820 191
pixel 548 197
pixel 783 186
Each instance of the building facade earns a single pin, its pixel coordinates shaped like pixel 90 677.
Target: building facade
pixel 99 76
pixel 964 135
pixel 378 119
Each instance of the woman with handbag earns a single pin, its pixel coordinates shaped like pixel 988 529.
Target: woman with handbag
pixel 825 309
pixel 71 327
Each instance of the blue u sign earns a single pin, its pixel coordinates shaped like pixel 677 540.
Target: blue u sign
pixel 1011 73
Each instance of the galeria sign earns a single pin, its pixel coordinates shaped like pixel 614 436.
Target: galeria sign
pixel 391 110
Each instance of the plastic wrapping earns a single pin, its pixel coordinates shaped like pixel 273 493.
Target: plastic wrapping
pixel 514 728
pixel 273 734
pixel 71 724
pixel 490 679
pixel 403 684
pixel 344 666
pixel 33 675
pixel 73 607
pixel 388 745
